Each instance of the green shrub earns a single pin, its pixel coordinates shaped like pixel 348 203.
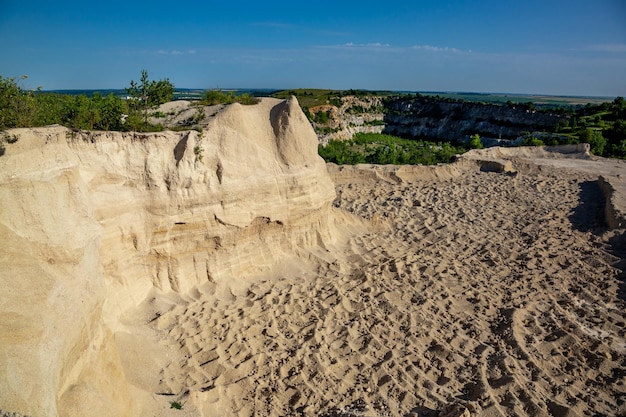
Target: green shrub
pixel 595 140
pixel 322 117
pixel 198 150
pixel 213 97
pixel 474 142
pixel 532 141
pixel 378 148
pixel 246 99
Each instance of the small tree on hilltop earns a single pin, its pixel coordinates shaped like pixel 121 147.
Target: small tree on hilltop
pixel 146 94
pixel 160 92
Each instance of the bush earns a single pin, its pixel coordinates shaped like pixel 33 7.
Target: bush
pixel 322 117
pixel 474 142
pixel 532 141
pixel 213 97
pixel 198 151
pixel 17 106
pixel 383 149
pixel 595 140
pixel 246 99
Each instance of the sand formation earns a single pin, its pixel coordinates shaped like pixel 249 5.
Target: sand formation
pixel 234 273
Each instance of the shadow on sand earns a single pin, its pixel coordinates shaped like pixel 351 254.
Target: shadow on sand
pixel 618 248
pixel 589 217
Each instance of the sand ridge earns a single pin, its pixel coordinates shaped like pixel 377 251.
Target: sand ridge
pixel 475 293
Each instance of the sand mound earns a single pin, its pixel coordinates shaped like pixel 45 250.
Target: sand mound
pixel 93 223
pixel 225 275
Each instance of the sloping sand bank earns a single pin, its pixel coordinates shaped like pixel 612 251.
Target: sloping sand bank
pixel 473 293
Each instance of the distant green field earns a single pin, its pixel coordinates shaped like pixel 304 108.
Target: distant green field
pixel 309 97
pixel 179 93
pixel 522 98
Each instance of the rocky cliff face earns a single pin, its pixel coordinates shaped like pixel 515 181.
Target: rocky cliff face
pixel 442 120
pixel 91 223
pixel 427 118
pixel 354 115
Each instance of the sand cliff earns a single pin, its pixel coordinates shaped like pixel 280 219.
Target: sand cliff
pixel 92 223
pixel 234 273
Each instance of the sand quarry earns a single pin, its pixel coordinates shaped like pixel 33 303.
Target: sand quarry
pixel 493 286
pixel 474 293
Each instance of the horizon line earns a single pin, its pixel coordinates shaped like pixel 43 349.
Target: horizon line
pixel 348 89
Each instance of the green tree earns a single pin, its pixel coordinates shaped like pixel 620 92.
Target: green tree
pixel 79 113
pixel 474 142
pixel 111 111
pixel 138 93
pixel 145 94
pixel 49 108
pixel 17 106
pixel 595 140
pixel 160 92
pixel 619 107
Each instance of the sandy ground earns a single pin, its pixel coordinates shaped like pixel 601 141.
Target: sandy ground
pixel 471 293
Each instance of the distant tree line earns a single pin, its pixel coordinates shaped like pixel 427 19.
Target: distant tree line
pixel 26 108
pixel 603 126
pixel 29 108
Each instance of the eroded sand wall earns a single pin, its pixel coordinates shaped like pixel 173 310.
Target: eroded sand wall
pixel 91 223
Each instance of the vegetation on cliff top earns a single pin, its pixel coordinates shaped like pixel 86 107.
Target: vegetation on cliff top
pixel 24 108
pixel 602 124
pixel 213 97
pixel 31 108
pixel 145 95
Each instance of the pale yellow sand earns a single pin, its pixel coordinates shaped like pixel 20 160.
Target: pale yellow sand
pixel 493 289
pixel 211 271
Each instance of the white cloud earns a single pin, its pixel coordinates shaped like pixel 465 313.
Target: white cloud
pixel 399 49
pixel 615 48
pixel 175 52
pixel 432 48
pixel 367 45
pixel 355 45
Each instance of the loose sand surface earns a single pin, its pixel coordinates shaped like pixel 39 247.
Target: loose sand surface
pixel 466 293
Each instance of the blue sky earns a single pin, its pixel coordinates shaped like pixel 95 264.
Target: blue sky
pixel 567 47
